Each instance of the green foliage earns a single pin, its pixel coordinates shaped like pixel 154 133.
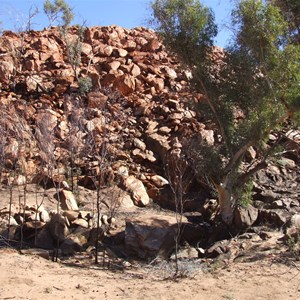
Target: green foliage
pixel 207 159
pixel 85 85
pixel 73 47
pixel 244 194
pixel 261 28
pixel 262 36
pixel 183 25
pixel 257 77
pixel 290 10
pixel 58 11
pixel 293 243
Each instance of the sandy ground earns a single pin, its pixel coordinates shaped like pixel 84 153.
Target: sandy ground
pixel 33 277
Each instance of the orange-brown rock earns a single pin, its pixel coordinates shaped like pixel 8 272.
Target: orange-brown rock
pixel 125 84
pixel 97 100
pixel 67 200
pixel 134 108
pixel 137 191
pixel 6 69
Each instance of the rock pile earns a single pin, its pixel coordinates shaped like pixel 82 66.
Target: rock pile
pixel 139 104
pixel 69 230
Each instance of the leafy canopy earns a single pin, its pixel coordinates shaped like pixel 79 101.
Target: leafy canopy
pixel 187 26
pixel 290 10
pixel 257 77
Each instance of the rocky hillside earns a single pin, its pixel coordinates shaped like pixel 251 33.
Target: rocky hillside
pixel 140 98
pixel 109 105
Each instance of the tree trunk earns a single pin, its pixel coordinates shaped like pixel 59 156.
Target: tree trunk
pixel 226 202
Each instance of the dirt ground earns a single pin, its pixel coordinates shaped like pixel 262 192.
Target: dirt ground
pixel 33 277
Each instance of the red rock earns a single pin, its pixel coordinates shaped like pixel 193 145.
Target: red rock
pixel 6 69
pixel 104 50
pixel 97 100
pixel 125 84
pixel 114 65
pixel 157 83
pixel 128 45
pixel 47 120
pixel 108 79
pixel 159 181
pixel 86 49
pixel 170 72
pixel 122 52
pixel 33 83
pixel 139 144
pixel 153 45
pixel 67 200
pixel 159 144
pixel 141 41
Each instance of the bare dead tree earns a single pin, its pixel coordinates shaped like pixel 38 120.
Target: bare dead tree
pixel 100 153
pixel 15 145
pixel 99 146
pixel 180 177
pixel 74 116
pixel 25 140
pixel 46 143
pixel 33 11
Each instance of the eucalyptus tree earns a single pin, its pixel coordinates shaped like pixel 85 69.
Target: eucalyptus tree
pixel 257 76
pixel 290 10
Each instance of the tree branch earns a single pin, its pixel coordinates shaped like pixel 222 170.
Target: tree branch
pixel 245 177
pixel 213 109
pixel 237 156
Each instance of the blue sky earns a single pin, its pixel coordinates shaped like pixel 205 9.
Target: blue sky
pixel 125 13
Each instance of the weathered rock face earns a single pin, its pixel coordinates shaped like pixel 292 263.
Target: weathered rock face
pixel 155 235
pixel 245 216
pixel 277 191
pixel 293 228
pixel 67 200
pixel 148 237
pixel 134 102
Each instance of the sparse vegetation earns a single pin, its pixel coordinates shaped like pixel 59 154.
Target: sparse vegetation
pixel 85 85
pixel 293 243
pixel 59 12
pixel 179 176
pixel 33 12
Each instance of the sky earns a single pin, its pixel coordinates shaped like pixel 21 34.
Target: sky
pixel 125 13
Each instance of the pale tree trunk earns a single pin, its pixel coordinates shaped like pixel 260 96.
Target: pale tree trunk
pixel 226 202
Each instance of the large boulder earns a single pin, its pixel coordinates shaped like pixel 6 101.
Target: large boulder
pixel 152 236
pixel 53 233
pixel 275 217
pixel 244 217
pixel 137 191
pixel 293 228
pixel 67 200
pixel 145 238
pixel 125 84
